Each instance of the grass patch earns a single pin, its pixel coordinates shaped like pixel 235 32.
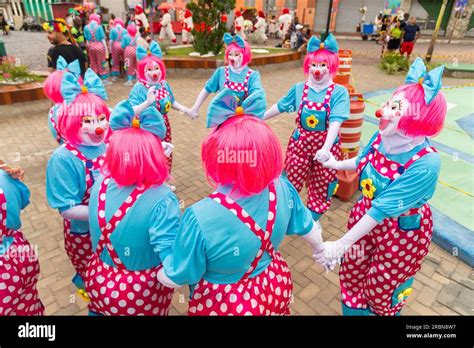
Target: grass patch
pixel 182 52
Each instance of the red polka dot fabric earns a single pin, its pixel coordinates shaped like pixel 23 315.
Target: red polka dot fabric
pixel 237 86
pixel 114 290
pixel 19 272
pixel 268 293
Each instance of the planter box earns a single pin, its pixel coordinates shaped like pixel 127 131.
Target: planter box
pixel 11 94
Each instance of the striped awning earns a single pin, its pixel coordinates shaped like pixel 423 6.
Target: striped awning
pixel 39 8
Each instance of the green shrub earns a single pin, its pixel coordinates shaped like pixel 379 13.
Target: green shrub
pixel 393 63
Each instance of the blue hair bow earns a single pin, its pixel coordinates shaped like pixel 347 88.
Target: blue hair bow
pixel 150 119
pixel 154 50
pixel 329 44
pixel 73 67
pixel 430 81
pixel 228 39
pixel 226 105
pixel 71 88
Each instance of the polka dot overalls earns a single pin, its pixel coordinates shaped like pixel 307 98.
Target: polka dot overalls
pixel 241 87
pixel 97 56
pixel 309 136
pixel 117 54
pixel 268 293
pixel 78 245
pixel 19 272
pixel 377 272
pixel 116 290
pixel 163 104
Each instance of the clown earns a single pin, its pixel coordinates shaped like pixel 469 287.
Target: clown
pixel 116 36
pixel 390 227
pixel 19 266
pixel 166 28
pixel 140 17
pixel 187 27
pixel 321 107
pixel 152 74
pixel 239 24
pixel 227 243
pixel 97 47
pixel 73 167
pixel 284 22
pixel 131 196
pixel 52 90
pixel 129 46
pixel 236 76
pixel 261 27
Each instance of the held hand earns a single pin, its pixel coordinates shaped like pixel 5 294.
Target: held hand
pixel 167 148
pixel 330 163
pixel 322 155
pixel 193 113
pixel 14 173
pixel 151 96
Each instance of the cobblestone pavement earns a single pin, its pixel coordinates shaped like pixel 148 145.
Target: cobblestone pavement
pixel 444 286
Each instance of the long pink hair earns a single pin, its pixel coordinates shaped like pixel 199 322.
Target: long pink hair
pixel 148 60
pixel 70 116
pixel 132 30
pixel 246 137
pixel 322 56
pixel 135 157
pixel 246 52
pixel 118 21
pixel 422 119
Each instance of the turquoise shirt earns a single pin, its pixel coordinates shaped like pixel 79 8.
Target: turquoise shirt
pixel 340 102
pixel 17 196
pixel 411 190
pixel 146 233
pixel 128 41
pixel 66 180
pixel 54 110
pixel 216 82
pixel 117 34
pixel 99 32
pixel 212 243
pixel 139 92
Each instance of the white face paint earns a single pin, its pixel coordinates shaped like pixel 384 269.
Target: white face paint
pixel 391 113
pixel 319 74
pixel 94 130
pixel 235 59
pixel 153 73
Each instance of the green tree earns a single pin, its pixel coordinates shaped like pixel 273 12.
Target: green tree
pixel 208 25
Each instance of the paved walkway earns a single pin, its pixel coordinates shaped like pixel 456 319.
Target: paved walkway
pixel 445 285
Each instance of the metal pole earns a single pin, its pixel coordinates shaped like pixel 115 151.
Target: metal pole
pixel 435 32
pixel 329 18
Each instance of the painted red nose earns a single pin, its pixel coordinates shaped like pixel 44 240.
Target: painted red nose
pixel 317 73
pixel 99 131
pixel 378 113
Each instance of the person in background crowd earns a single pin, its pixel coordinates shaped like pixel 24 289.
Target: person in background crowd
pixel 143 38
pixel 411 33
pixel 111 21
pixel 301 38
pixel 272 28
pixel 395 35
pixel 58 35
pixel 383 33
pixel 78 34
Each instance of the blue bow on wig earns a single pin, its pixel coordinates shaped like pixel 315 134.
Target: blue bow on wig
pixel 228 39
pixel 430 81
pixel 154 50
pixel 150 119
pixel 71 88
pixel 329 44
pixel 73 67
pixel 226 105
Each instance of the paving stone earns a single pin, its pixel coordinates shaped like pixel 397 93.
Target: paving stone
pixel 426 296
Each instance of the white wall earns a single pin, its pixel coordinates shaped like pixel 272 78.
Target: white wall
pixel 117 7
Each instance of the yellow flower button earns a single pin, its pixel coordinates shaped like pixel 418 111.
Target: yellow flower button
pixel 368 188
pixel 312 121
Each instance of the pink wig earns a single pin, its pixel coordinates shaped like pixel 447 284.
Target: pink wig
pixel 119 21
pixel 70 116
pixel 135 157
pixel 94 18
pixel 242 152
pixel 246 52
pixel 147 61
pixel 322 56
pixel 132 30
pixel 52 86
pixel 422 120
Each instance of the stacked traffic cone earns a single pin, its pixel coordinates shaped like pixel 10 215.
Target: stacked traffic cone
pixel 351 130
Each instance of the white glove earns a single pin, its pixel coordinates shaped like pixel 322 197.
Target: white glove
pixel 78 212
pixel 163 279
pixel 167 148
pixel 193 113
pixel 322 155
pixel 272 112
pixel 330 162
pixel 151 96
